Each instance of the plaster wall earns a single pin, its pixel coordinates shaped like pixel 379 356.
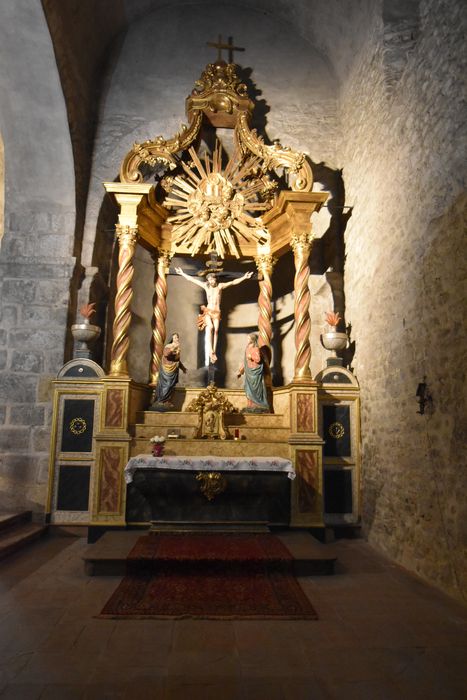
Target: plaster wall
pixel 35 257
pixel 403 156
pixel 158 62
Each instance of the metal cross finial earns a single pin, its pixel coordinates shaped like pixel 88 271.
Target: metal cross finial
pixel 220 46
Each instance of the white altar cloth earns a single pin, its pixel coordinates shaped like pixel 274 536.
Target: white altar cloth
pixel 211 464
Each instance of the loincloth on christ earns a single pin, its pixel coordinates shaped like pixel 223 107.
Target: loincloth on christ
pixel 203 316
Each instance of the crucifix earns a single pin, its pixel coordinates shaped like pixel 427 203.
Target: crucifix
pixel 224 47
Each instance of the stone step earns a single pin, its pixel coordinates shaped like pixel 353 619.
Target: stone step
pixel 107 557
pixel 145 432
pixel 17 537
pixel 8 520
pixel 182 418
pixel 183 396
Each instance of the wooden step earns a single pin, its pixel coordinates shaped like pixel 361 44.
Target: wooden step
pixel 17 537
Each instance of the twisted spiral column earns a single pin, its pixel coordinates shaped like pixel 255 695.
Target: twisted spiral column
pixel 301 244
pixel 160 314
pixel 265 265
pixel 127 237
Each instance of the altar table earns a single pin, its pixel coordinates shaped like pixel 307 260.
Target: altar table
pixel 211 464
pixel 168 489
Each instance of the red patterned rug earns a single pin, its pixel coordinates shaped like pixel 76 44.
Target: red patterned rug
pixel 218 576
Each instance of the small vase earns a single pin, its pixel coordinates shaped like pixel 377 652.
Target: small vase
pixel 84 334
pixel 334 340
pixel 157 449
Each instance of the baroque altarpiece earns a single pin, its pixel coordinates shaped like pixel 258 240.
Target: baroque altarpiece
pixel 257 203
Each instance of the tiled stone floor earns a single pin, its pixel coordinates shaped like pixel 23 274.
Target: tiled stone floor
pixel 382 635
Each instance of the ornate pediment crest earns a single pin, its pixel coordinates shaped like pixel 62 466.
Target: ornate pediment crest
pixel 211 405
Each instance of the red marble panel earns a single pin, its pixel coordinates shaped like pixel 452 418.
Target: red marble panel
pixel 114 409
pixel 305 413
pixel 110 479
pixel 306 466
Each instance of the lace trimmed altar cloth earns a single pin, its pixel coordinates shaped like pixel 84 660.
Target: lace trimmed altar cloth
pixel 210 464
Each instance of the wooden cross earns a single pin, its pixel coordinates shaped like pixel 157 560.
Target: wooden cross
pixel 224 47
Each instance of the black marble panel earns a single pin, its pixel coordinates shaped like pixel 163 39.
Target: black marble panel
pixel 73 487
pixel 80 371
pixel 336 378
pixel 336 431
pixel 338 491
pixel 158 494
pixel 78 423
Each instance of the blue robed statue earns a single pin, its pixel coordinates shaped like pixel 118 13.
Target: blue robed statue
pixel 253 367
pixel 168 374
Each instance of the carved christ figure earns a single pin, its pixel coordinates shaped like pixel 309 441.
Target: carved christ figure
pixel 210 316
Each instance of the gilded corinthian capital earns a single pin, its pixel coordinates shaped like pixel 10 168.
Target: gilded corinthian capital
pixel 265 264
pixel 301 242
pixel 127 235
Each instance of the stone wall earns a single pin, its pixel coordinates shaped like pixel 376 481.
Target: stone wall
pixel 35 258
pixel 403 157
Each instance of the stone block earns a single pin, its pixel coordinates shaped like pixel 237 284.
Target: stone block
pixel 53 246
pixel 38 314
pixel 44 388
pixel 27 362
pixel 53 361
pixel 42 473
pixel 38 268
pixel 2 414
pixel 3 358
pixel 41 439
pixel 25 414
pixel 9 316
pixel 14 439
pixel 37 339
pixel 18 467
pixel 3 336
pixel 18 291
pixel 63 222
pixel 18 388
pixel 53 289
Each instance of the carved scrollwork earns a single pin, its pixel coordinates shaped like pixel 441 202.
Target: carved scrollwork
pixel 275 156
pixel 159 151
pixel 211 405
pixel 212 484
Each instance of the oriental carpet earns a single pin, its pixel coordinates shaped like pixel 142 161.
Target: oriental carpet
pixel 210 576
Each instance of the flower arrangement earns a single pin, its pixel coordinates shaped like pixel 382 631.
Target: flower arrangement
pixel 332 319
pixel 87 310
pixel 157 439
pixel 157 442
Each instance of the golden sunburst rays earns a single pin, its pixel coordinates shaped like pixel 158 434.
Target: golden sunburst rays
pixel 215 206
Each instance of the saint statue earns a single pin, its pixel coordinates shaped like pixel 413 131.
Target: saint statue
pixel 254 368
pixel 168 375
pixel 210 316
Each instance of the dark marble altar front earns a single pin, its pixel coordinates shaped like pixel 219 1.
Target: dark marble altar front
pixel 166 495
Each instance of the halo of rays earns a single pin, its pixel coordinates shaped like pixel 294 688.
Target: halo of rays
pixel 214 206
